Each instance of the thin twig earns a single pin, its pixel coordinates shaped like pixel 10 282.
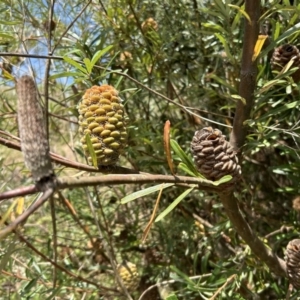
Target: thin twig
pixel 48 64
pixel 70 288
pixel 150 223
pixel 22 191
pixel 57 266
pixel 222 287
pixel 109 247
pixel 43 198
pixel 54 235
pixel 70 25
pixel 184 108
pixel 74 216
pixel 46 112
pixel 106 246
pixel 282 229
pixel 78 277
pixel 226 238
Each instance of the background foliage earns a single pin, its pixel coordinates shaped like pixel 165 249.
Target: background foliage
pixel 190 52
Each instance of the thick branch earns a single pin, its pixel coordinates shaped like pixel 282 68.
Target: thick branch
pixel 71 182
pixel 248 75
pixel 238 136
pixel 116 179
pixel 276 264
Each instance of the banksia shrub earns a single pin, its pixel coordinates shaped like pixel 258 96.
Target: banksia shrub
pixel 33 132
pixel 292 258
pixel 282 55
pixel 101 116
pixel 129 275
pixel 213 155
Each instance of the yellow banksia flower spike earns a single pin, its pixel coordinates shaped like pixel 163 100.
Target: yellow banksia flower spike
pixel 101 116
pixel 129 275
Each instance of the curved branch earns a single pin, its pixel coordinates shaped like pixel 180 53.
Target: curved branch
pixel 238 136
pixel 276 264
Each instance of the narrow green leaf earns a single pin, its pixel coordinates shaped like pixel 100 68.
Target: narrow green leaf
pixel 241 10
pixel 30 285
pixel 223 82
pixel 99 54
pixel 214 26
pixel 173 204
pixel 270 84
pixel 172 297
pixel 238 97
pixel 66 74
pixel 75 64
pixel 287 66
pixel 6 215
pixel 289 32
pixel 222 8
pixel 225 45
pixel 237 19
pixel 181 275
pixel 280 109
pixel 183 167
pixel 9 249
pixel 185 159
pixel 91 150
pixel 205 262
pixel 10 22
pixel 277 30
pixel 120 80
pixel 145 192
pixel 130 90
pixel 6 35
pixel 88 65
pixel 73 51
pixel 224 179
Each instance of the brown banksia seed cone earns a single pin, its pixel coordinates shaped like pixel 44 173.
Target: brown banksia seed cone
pixel 32 130
pixel 213 155
pixel 52 25
pixel 282 55
pixel 292 257
pixel 129 275
pixel 101 115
